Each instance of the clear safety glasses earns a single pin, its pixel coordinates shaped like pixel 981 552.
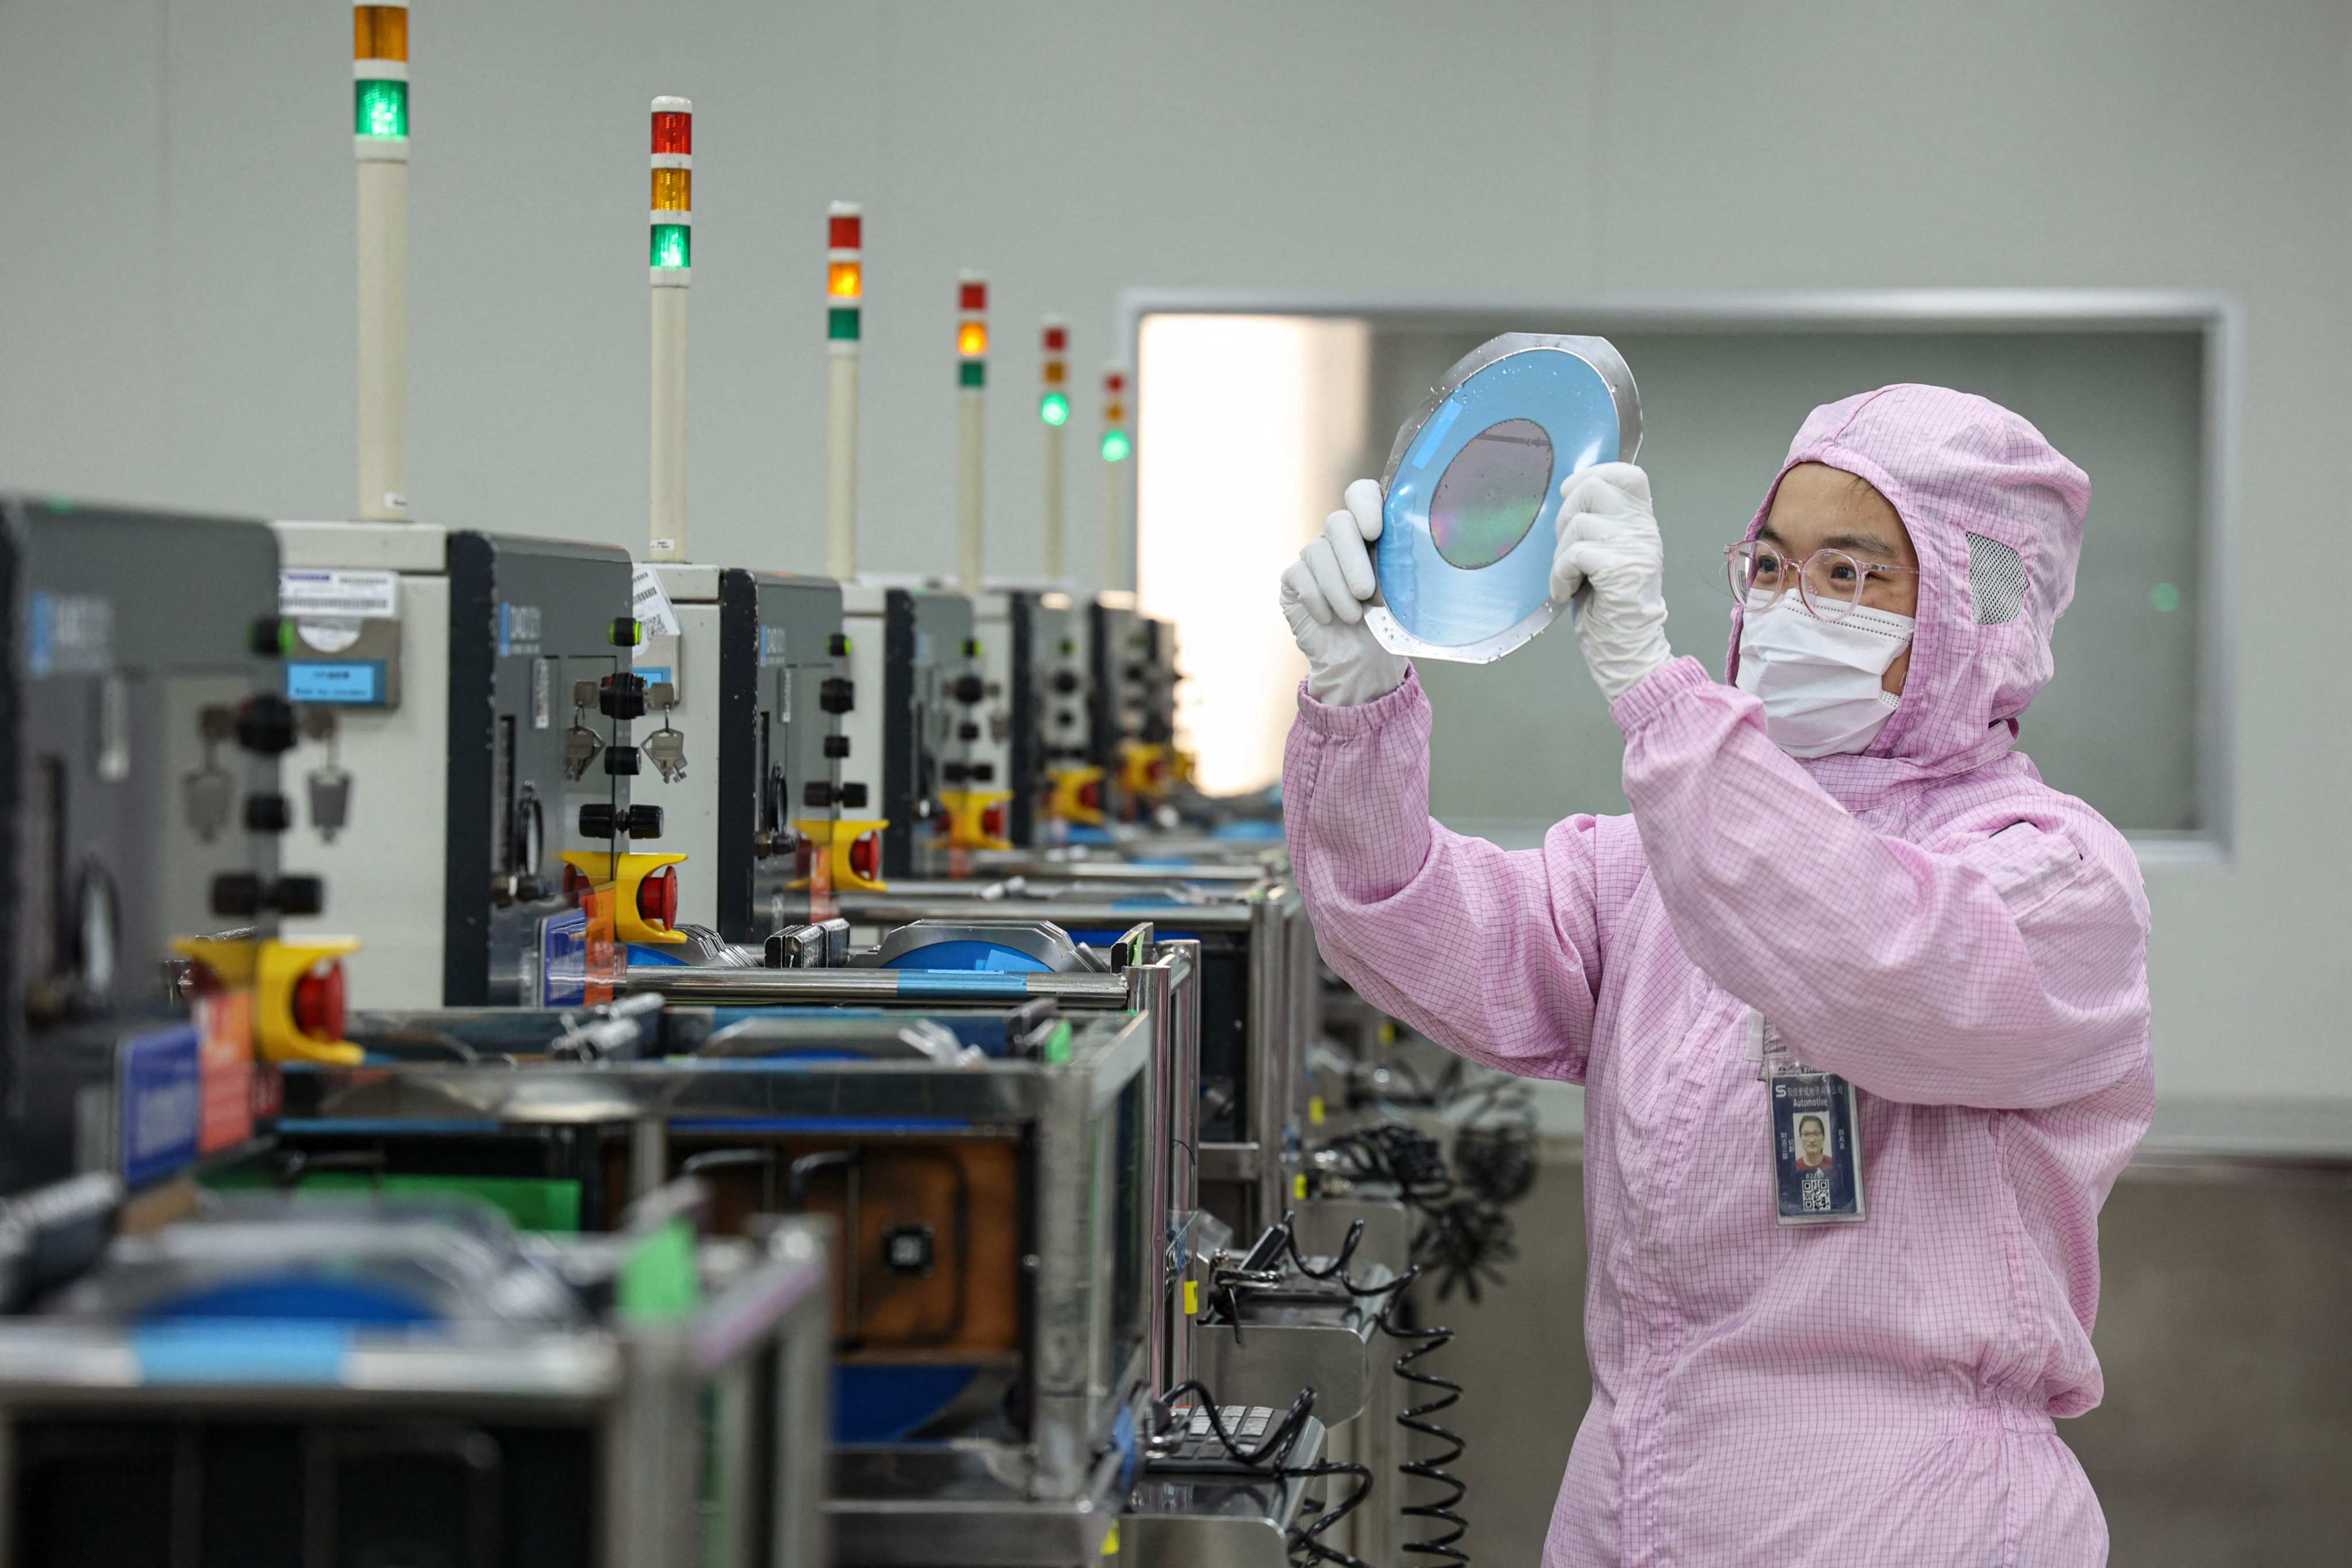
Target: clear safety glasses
pixel 1831 584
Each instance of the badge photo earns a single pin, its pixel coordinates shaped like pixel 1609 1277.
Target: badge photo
pixel 1816 1149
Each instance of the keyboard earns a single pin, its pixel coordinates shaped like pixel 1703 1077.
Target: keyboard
pixel 1197 1448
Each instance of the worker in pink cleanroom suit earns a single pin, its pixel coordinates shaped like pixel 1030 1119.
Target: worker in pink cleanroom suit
pixel 1839 870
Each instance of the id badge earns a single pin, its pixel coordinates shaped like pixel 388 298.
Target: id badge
pixel 1816 1147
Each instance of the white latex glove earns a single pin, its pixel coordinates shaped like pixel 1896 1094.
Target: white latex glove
pixel 1611 565
pixel 1323 597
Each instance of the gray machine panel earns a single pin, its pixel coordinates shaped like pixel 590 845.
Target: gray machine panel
pixel 783 671
pixel 127 790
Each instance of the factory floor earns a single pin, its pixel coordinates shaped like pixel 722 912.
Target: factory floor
pixel 2225 1331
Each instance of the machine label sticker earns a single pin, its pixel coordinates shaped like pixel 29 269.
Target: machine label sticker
pixel 652 605
pixel 1816 1148
pixel 69 634
pixel 305 593
pixel 784 696
pixel 224 1027
pixel 329 636
pixel 563 959
pixel 159 1095
pixel 359 681
pixel 517 629
pixel 542 694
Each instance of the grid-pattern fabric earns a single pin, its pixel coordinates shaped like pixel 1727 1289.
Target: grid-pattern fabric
pixel 1878 1392
pixel 1996 581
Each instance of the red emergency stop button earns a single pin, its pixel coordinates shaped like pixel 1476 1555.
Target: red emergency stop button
pixel 319 1002
pixel 993 821
pixel 865 856
pixel 1090 794
pixel 657 899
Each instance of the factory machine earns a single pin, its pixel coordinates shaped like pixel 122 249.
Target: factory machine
pixel 408 1382
pixel 147 826
pixel 746 677
pixel 485 700
pixel 746 687
pixel 481 680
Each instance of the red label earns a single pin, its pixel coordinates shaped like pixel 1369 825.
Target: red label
pixel 225 1070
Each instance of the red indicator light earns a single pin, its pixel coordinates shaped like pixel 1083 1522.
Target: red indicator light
pixel 319 1002
pixel 845 231
pixel 1057 340
pixel 971 294
pixel 657 899
pixel 1114 382
pixel 865 858
pixel 673 133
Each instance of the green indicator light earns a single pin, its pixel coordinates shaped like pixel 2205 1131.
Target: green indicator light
pixel 673 245
pixel 841 323
pixel 2164 597
pixel 1116 446
pixel 1054 408
pixel 973 372
pixel 380 109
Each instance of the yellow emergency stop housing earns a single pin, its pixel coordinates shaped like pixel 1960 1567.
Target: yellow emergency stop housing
pixel 968 817
pixel 279 966
pixel 1142 769
pixel 627 873
pixel 1067 802
pixel 833 840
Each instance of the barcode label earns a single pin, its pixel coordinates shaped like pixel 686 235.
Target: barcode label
pixel 305 592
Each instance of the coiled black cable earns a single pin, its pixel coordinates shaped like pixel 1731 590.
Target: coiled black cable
pixel 1414 1418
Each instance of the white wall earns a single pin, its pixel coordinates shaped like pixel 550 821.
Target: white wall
pixel 176 317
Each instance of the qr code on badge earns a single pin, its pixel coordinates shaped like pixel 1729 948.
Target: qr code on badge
pixel 1816 1192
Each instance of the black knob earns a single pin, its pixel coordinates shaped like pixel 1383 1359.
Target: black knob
pixel 268 636
pixel 954 773
pixel 967 731
pixel 645 822
pixel 621 697
pixel 967 690
pixel 1065 718
pixel 621 761
pixel 837 694
pixel 237 894
pixel 852 796
pixel 597 821
pixel 836 746
pixel 983 772
pixel 298 896
pixel 1065 681
pixel 837 645
pixel 267 814
pixel 817 795
pixel 1135 672
pixel 265 723
pixel 625 631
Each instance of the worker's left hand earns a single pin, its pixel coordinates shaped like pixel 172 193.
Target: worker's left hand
pixel 1610 565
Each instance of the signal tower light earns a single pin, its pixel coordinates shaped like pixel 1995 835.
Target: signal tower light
pixel 844 272
pixel 672 249
pixel 1054 402
pixel 380 82
pixel 1116 442
pixel 972 330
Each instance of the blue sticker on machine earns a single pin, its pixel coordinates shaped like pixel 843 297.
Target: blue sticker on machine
pixel 359 681
pixel 563 959
pixel 160 1092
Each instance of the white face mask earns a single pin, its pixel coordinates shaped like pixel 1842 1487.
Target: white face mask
pixel 1820 680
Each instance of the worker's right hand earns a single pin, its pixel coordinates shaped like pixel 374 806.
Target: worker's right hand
pixel 1324 593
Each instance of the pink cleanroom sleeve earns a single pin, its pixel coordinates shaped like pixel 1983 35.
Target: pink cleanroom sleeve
pixel 2001 972
pixel 1494 954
